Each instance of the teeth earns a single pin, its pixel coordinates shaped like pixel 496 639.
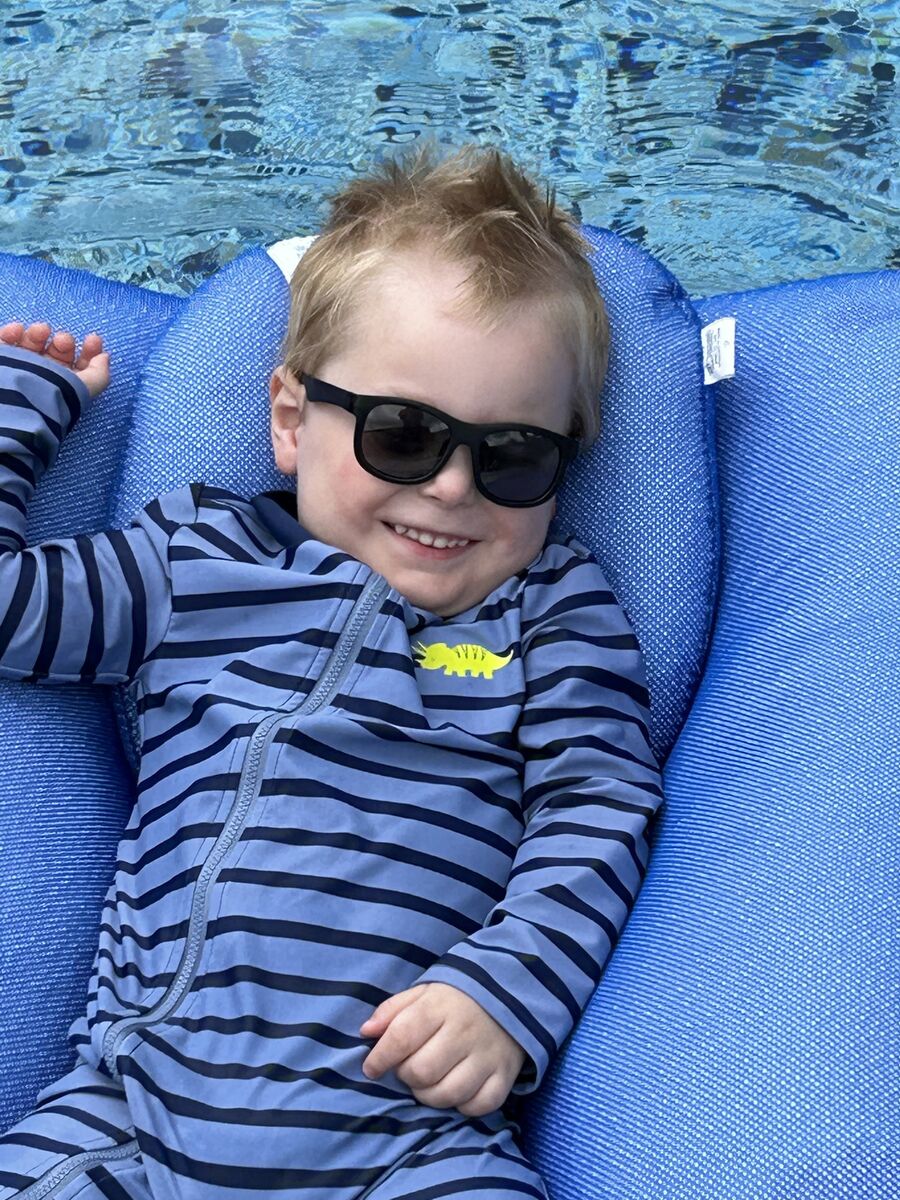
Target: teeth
pixel 429 539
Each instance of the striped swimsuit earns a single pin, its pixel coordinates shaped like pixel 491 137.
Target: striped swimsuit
pixel 340 796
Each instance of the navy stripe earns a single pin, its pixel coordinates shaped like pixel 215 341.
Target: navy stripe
pixel 135 585
pixel 94 653
pixel 207 601
pixel 268 1181
pixel 14 501
pixel 607 679
pixel 20 601
pixel 107 1183
pixel 85 1117
pixel 321 884
pixel 70 396
pixel 54 607
pixel 15 466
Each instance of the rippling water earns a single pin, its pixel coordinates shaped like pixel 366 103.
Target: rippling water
pixel 150 143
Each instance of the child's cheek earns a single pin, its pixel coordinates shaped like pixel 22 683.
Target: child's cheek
pixel 349 478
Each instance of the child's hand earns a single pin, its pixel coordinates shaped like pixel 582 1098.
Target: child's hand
pixel 452 1054
pixel 92 366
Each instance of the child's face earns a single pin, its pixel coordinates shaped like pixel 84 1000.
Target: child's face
pixel 408 346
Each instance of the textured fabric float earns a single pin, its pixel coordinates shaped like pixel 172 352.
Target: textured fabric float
pixel 744 1039
pixel 65 787
pixel 744 1043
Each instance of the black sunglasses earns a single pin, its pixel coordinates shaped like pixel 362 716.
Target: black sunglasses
pixel 404 441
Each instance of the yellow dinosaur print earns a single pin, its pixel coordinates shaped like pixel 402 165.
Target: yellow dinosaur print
pixel 466 659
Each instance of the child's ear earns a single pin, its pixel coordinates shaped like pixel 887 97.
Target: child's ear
pixel 288 402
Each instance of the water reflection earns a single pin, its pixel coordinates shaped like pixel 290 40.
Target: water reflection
pixel 740 151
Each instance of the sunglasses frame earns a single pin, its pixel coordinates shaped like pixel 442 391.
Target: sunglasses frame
pixel 462 433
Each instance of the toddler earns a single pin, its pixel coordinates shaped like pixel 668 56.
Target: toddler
pixel 395 778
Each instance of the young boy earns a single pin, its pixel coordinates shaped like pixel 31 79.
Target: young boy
pixel 396 779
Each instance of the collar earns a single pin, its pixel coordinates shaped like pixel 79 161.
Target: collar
pixel 278 512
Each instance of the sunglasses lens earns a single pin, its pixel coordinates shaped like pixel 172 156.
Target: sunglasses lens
pixel 407 444
pixel 403 442
pixel 517 466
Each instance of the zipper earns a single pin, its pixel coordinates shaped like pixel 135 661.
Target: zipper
pixel 50 1184
pixel 340 661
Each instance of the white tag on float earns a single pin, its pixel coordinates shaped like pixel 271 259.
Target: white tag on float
pixel 718 349
pixel 287 253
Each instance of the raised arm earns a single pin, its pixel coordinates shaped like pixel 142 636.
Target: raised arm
pixel 90 608
pixel 591 787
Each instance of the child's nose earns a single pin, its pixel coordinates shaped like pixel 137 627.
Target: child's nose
pixel 454 482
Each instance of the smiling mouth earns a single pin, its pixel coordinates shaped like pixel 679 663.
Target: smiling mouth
pixel 435 546
pixel 425 537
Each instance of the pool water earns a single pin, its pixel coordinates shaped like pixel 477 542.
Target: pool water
pixel 150 143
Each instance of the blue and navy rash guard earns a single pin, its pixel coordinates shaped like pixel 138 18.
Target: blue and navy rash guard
pixel 341 795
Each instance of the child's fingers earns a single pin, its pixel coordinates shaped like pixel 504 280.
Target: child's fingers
pixel 95 376
pixel 35 337
pixel 92 345
pixel 11 332
pixel 61 347
pixel 92 365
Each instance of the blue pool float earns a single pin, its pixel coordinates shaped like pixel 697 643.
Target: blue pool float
pixel 744 501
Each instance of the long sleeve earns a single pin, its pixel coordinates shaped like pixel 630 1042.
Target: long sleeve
pixel 591 787
pixel 90 608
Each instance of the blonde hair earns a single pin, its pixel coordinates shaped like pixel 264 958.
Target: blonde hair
pixel 475 207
